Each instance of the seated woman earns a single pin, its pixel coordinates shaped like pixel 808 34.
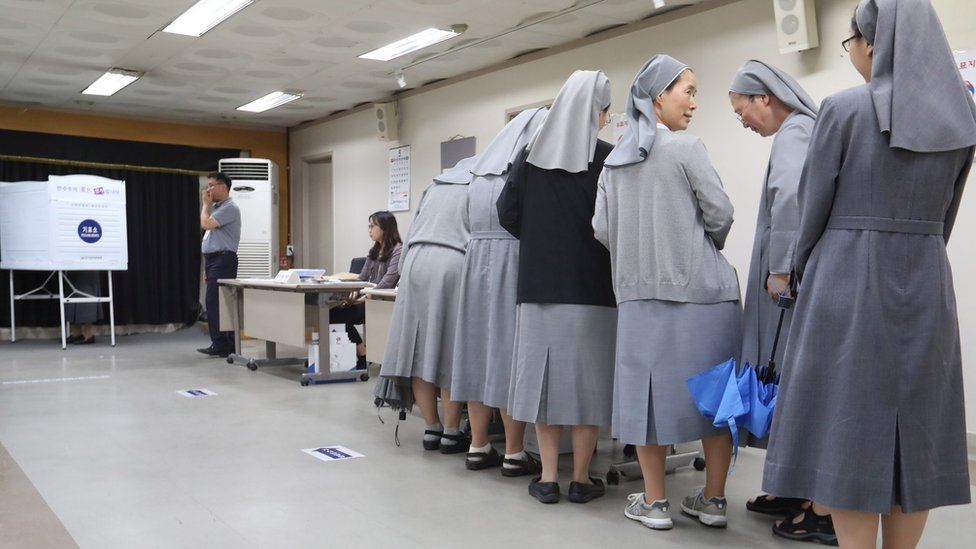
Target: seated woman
pixel 382 268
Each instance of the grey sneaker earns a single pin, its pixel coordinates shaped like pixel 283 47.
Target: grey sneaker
pixel 656 516
pixel 710 512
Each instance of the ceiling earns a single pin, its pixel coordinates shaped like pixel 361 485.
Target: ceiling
pixel 50 50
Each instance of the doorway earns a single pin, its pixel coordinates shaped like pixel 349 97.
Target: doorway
pixel 317 215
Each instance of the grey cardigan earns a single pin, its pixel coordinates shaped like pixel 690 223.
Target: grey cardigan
pixel 385 274
pixel 664 221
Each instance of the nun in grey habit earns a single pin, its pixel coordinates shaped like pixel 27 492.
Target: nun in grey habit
pixel 421 342
pixel 871 415
pixel 563 369
pixel 771 102
pixel 663 214
pixel 485 333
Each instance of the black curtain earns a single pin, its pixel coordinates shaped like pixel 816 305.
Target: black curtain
pixel 162 284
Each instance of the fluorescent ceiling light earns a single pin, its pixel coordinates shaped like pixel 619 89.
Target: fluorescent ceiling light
pixel 111 82
pixel 412 43
pixel 205 15
pixel 272 100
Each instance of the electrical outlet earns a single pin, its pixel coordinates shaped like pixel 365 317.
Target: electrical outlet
pixel 289 250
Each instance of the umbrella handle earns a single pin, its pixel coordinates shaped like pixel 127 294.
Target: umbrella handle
pixel 779 330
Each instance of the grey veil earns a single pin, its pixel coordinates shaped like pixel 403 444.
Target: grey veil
pixel 567 139
pixel 655 77
pixel 918 93
pixel 460 174
pixel 758 78
pixel 501 152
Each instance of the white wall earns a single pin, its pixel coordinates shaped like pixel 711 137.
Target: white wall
pixel 714 43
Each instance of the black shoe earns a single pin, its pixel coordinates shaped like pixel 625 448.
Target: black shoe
pixel 461 444
pixel 74 339
pixel 209 351
pixel 583 493
pixel 813 527
pixel 520 467
pixel 435 443
pixel 545 492
pixel 478 461
pixel 361 363
pixel 84 341
pixel 224 354
pixel 767 505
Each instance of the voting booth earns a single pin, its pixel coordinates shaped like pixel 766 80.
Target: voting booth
pixel 67 223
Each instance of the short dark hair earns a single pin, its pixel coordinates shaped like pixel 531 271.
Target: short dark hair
pixel 221 177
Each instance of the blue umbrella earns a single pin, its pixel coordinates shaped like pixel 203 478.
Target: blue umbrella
pixel 746 397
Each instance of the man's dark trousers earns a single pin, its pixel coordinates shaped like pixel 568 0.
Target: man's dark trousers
pixel 218 265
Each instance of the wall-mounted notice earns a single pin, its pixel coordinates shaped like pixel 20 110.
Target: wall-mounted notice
pixel 618 127
pixel 967 66
pixel 399 198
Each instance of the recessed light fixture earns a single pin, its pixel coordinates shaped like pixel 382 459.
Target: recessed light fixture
pixel 111 82
pixel 205 15
pixel 272 100
pixel 413 43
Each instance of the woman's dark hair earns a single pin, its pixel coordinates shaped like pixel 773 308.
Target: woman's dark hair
pixel 391 235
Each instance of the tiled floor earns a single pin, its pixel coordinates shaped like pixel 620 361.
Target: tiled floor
pixel 123 461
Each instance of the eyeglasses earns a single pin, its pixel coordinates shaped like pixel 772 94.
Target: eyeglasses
pixel 846 44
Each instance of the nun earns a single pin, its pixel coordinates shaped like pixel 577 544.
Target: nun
pixel 770 102
pixel 485 333
pixel 421 342
pixel 563 366
pixel 871 419
pixel 662 213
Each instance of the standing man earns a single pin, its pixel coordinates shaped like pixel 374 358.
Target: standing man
pixel 221 219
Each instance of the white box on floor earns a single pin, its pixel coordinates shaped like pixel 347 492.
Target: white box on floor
pixel 532 443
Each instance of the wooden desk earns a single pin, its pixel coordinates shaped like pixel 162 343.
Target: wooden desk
pixel 379 316
pixel 280 313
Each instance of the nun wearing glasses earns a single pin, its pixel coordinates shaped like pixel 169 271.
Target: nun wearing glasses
pixel 771 103
pixel 563 369
pixel 663 214
pixel 871 418
pixel 485 330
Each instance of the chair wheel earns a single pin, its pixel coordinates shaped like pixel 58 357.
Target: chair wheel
pixel 613 478
pixel 364 377
pixel 304 383
pixel 253 366
pixel 699 464
pixel 229 360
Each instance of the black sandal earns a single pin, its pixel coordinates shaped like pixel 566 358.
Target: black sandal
pixel 461 443
pixel 435 443
pixel 478 461
pixel 813 527
pixel 769 505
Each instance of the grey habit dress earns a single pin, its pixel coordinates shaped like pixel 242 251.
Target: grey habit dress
pixel 779 216
pixel 871 412
pixel 421 341
pixel 485 333
pixel 563 367
pixel 662 213
pixel 84 313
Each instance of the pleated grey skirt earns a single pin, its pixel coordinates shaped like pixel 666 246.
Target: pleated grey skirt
pixel 563 368
pixel 485 340
pixel 421 341
pixel 660 344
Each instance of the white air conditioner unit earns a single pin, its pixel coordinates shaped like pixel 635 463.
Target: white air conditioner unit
pixel 255 190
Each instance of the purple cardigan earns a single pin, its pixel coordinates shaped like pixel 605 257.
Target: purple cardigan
pixel 385 274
